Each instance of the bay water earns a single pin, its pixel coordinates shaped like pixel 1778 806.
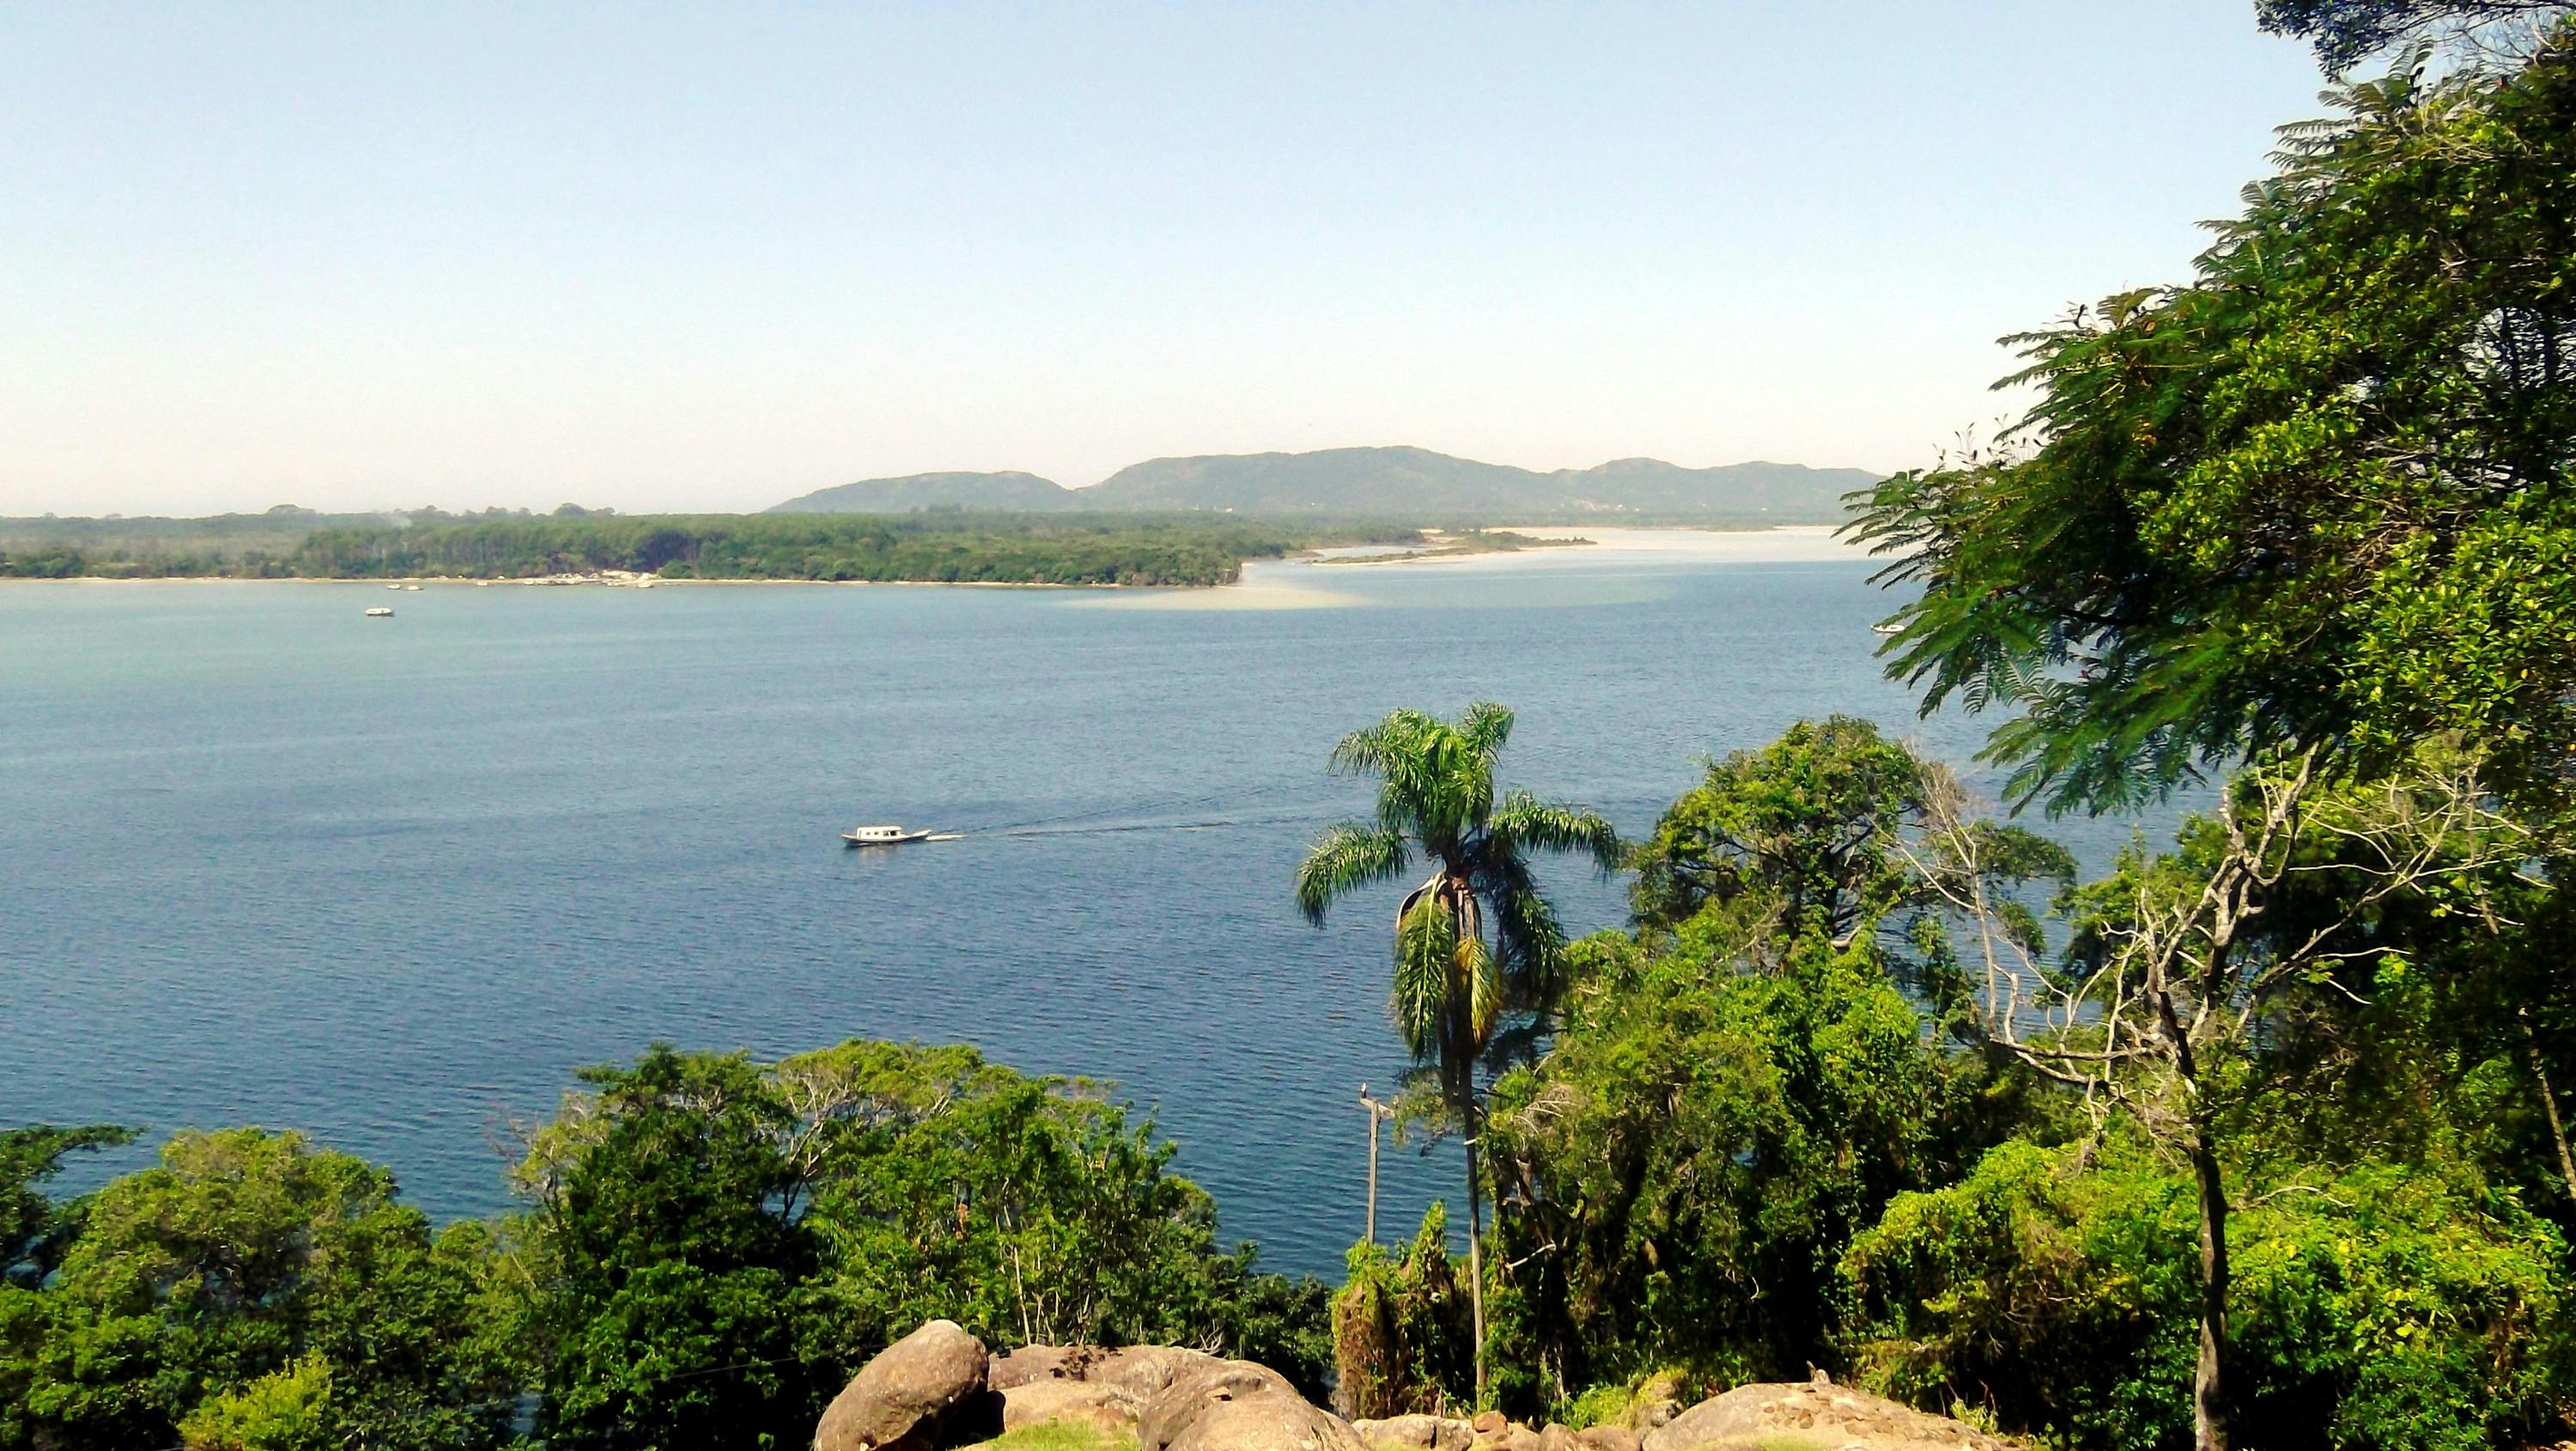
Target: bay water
pixel 389 881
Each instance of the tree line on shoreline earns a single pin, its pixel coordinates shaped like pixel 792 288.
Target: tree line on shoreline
pixel 943 546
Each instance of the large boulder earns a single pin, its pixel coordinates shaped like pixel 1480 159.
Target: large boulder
pixel 1427 1433
pixel 902 1400
pixel 1172 1409
pixel 1235 1405
pixel 1610 1438
pixel 1147 1370
pixel 1113 1409
pixel 1144 1369
pixel 1008 1368
pixel 1818 1414
pixel 1038 1384
pixel 1266 1421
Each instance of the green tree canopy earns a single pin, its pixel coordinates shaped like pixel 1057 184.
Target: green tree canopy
pixel 714 1244
pixel 242 1256
pixel 28 1157
pixel 2347 32
pixel 1739 1087
pixel 2324 495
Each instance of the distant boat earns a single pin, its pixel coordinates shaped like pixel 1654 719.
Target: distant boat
pixel 393 586
pixel 415 589
pixel 881 836
pixel 1886 629
pixel 379 612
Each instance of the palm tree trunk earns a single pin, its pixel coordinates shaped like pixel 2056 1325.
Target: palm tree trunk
pixel 1475 1243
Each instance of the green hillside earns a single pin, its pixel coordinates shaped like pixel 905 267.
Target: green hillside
pixel 1412 484
pixel 1014 491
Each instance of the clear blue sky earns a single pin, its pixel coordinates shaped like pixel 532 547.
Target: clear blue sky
pixel 708 257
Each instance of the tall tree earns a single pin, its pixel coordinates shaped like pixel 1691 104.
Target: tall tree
pixel 2347 32
pixel 1455 988
pixel 2306 514
pixel 2324 496
pixel 2177 964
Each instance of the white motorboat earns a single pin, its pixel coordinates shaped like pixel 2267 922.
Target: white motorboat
pixel 379 612
pixel 881 836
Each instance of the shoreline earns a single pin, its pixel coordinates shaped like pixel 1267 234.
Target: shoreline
pixel 1717 543
pixel 648 581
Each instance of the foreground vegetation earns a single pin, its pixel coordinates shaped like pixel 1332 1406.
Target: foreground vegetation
pixel 708 1246
pixel 939 547
pixel 2257 1138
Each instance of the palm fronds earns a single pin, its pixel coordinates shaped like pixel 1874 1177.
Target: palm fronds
pixel 1524 823
pixel 1348 856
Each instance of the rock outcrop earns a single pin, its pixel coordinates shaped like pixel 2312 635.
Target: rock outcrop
pixel 1428 1433
pixel 936 1389
pixel 1818 1414
pixel 910 1397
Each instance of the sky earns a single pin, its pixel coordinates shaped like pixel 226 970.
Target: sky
pixel 710 257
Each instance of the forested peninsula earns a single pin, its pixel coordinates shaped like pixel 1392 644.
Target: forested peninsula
pixel 938 546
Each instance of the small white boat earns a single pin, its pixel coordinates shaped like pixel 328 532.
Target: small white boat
pixel 379 612
pixel 393 586
pixel 415 589
pixel 881 836
pixel 1886 629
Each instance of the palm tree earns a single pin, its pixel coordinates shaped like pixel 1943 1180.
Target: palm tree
pixel 1454 988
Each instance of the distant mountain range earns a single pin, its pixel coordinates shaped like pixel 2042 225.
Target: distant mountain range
pixel 1413 484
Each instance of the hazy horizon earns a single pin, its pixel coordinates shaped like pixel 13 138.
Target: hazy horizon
pixel 472 255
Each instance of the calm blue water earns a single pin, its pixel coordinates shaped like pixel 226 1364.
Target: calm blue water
pixel 262 860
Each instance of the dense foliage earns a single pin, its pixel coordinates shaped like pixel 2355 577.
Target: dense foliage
pixel 945 548
pixel 2347 32
pixel 1738 1087
pixel 2256 1137
pixel 1781 1126
pixel 937 547
pixel 1402 1327
pixel 710 1246
pixel 2321 496
pixel 249 1277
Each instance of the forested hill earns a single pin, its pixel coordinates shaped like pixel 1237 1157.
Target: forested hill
pixel 1414 484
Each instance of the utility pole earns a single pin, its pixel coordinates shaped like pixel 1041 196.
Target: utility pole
pixel 1376 1111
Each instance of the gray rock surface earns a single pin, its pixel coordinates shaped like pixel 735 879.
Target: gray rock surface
pixel 1429 1433
pixel 1819 1414
pixel 1113 1409
pixel 902 1398
pixel 1266 1420
pixel 1191 1394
